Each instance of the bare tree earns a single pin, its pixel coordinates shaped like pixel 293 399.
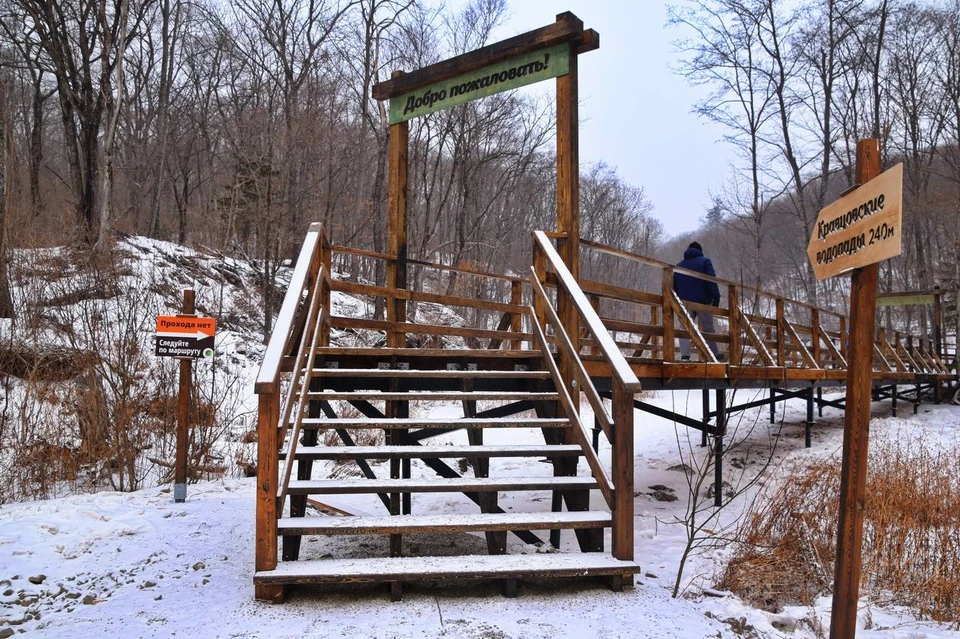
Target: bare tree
pixel 83 43
pixel 6 163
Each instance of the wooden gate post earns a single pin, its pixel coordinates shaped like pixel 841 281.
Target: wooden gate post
pixel 856 419
pixel 397 228
pixel 568 197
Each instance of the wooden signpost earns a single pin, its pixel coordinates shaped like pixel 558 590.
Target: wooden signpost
pixel 862 227
pixel 185 337
pixel 856 232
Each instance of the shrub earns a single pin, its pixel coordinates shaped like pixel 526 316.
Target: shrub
pixel 911 543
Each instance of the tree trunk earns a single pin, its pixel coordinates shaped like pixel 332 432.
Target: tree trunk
pixel 6 161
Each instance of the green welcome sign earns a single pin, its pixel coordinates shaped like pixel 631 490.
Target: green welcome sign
pixel 503 76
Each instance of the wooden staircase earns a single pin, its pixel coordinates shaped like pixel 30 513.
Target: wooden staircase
pixel 450 420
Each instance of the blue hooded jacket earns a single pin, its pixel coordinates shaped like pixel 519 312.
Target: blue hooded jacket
pixel 693 289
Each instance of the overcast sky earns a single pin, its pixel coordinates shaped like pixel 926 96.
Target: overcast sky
pixel 635 111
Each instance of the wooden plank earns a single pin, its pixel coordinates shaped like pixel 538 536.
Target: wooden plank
pixel 456 422
pixel 457 355
pixel 417 373
pixel 422 329
pixel 620 293
pixel 798 344
pixel 434 452
pixel 348 250
pixel 437 396
pixel 754 339
pixel 595 326
pixel 886 367
pixel 437 485
pixel 693 331
pixel 384 569
pixel 567 28
pixel 454 522
pixel 631 327
pixel 834 351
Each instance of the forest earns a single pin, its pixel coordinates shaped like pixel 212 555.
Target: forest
pixel 232 126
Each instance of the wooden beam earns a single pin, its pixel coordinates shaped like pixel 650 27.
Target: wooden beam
pixel 268 412
pixel 693 332
pixel 567 28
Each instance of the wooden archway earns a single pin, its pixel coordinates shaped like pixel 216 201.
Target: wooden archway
pixel 541 54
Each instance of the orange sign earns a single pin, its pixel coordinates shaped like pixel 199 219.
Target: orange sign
pixel 184 336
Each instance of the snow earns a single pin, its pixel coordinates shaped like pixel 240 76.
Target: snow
pixel 139 565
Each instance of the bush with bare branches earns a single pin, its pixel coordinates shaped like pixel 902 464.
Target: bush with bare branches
pixel 911 543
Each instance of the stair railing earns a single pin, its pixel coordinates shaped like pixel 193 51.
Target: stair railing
pixel 309 280
pixel 618 426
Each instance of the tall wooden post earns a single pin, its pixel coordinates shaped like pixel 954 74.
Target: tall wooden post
pixel 568 198
pixel 397 227
pixel 856 420
pixel 183 411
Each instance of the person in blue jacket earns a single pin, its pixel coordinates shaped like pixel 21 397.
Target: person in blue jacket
pixel 693 289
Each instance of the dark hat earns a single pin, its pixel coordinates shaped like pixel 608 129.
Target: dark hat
pixel 696 245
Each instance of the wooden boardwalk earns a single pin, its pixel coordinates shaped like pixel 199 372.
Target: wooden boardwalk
pixel 517 353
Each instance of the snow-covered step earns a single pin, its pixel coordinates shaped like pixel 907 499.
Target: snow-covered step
pixel 411 524
pixel 426 373
pixel 437 485
pixel 383 569
pixel 432 452
pixel 455 422
pixel 436 396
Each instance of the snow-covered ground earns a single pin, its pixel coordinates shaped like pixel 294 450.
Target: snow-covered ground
pixel 139 565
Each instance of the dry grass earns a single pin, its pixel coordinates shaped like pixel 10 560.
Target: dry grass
pixel 911 542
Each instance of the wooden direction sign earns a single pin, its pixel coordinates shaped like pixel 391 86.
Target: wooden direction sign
pixel 862 227
pixel 184 336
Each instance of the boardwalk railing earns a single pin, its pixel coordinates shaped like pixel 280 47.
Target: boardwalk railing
pixel 305 308
pixel 754 327
pixel 571 378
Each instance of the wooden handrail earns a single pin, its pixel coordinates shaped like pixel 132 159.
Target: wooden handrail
pixel 268 378
pixel 649 261
pixel 308 340
pixel 562 340
pixel 348 250
pixel 618 364
pixel 301 404
pixel 599 473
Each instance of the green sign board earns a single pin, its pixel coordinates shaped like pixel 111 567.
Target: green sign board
pixel 503 76
pixel 906 300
